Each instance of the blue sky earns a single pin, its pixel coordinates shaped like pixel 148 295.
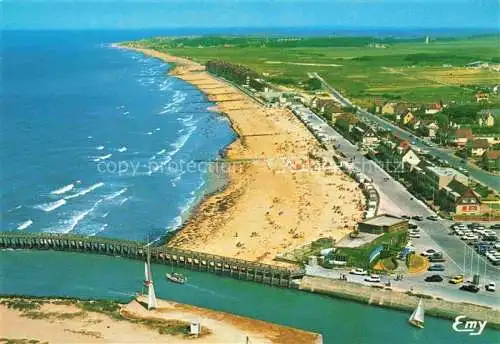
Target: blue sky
pixel 133 14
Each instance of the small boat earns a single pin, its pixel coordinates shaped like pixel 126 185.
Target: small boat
pixel 176 278
pixel 417 317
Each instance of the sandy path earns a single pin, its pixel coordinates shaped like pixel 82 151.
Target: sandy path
pixel 67 323
pixel 269 206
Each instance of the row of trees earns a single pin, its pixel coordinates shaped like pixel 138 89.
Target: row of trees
pixel 233 72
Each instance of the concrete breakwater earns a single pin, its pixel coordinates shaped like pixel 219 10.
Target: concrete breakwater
pixel 397 300
pixel 236 268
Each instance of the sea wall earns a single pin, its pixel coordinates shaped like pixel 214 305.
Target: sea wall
pixel 397 300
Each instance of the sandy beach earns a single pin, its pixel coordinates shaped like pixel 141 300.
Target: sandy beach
pixel 66 321
pixel 274 200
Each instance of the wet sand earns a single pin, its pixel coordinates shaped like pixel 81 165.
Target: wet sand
pixel 274 200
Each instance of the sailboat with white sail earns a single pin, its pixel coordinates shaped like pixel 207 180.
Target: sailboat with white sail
pixel 148 282
pixel 417 317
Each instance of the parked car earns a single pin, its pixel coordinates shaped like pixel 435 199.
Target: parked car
pixel 438 258
pixel 457 279
pixel 436 267
pixel 405 217
pixel 434 278
pixel 491 286
pixel 428 252
pixel 412 226
pixel 373 278
pixel 432 218
pixel 417 217
pixel 495 226
pixel 358 271
pixel 470 288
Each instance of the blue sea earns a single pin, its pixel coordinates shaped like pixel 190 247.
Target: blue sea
pixel 98 140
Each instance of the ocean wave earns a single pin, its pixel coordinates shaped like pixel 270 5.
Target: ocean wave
pixel 122 149
pixel 15 208
pixel 149 133
pixel 181 141
pixel 104 157
pixel 99 147
pixel 124 200
pixel 63 189
pixel 85 191
pixel 161 152
pixel 48 207
pixel 157 129
pixel 25 225
pixel 115 194
pixel 101 229
pixel 76 219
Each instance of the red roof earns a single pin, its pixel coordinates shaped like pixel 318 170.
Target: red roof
pixel 493 155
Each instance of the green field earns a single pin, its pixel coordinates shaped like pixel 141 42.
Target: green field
pixel 405 69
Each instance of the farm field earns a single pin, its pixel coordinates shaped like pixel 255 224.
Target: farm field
pixel 397 69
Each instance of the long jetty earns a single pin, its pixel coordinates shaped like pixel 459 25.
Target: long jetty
pixel 236 268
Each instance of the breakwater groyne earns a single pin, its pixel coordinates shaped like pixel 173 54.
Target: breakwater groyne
pixel 236 268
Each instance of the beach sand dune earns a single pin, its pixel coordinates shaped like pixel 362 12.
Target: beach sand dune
pixel 274 201
pixel 64 321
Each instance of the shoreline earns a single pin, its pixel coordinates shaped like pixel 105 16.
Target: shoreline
pixel 266 208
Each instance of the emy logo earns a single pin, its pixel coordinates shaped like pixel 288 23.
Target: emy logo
pixel 473 327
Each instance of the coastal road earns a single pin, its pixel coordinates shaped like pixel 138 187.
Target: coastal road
pixel 434 233
pixel 483 177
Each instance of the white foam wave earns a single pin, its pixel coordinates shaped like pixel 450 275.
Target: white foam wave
pixel 25 225
pixel 181 141
pixel 115 194
pixel 76 219
pixel 15 208
pixel 48 207
pixel 150 133
pixel 99 147
pixel 122 149
pixel 102 228
pixel 124 200
pixel 85 191
pixel 63 189
pixel 161 152
pixel 104 157
pixel 105 215
pixel 157 129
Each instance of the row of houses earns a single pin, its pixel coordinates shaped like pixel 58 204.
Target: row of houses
pixel 446 187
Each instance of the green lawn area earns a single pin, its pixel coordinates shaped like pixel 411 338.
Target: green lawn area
pixel 359 256
pixel 406 69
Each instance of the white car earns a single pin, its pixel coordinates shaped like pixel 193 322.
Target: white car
pixel 359 271
pixel 429 252
pixel 373 278
pixel 491 286
pixel 414 235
